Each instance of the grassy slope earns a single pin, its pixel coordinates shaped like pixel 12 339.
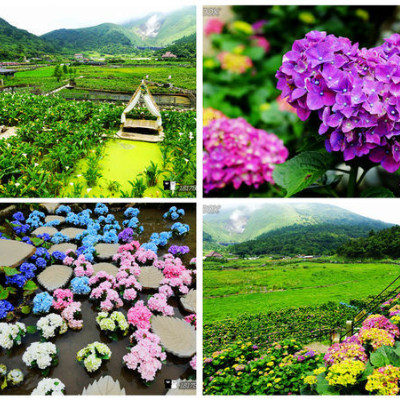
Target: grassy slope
pixel 295 285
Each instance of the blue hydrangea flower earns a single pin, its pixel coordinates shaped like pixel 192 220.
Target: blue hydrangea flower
pixel 63 210
pixel 27 239
pixel 5 308
pixel 131 212
pixel 19 228
pixel 150 246
pixel 41 252
pixel 101 209
pixel 18 216
pixel 180 229
pixel 16 280
pixel 41 262
pixel 80 285
pixel 55 222
pixel 42 303
pixel 45 236
pixel 28 270
pixel 58 255
pixel 35 219
pixel 59 238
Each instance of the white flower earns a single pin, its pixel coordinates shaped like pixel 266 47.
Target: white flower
pixel 17 184
pixel 14 377
pixel 49 325
pixel 71 183
pixel 49 387
pixel 9 334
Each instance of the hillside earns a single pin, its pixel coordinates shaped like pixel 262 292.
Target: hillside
pixel 160 30
pixel 185 47
pixel 155 30
pixel 15 43
pixel 110 38
pixel 385 243
pixel 242 224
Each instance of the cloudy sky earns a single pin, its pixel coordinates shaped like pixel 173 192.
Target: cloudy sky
pixel 386 210
pixel 42 16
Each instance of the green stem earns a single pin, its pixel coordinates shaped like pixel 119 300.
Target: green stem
pixel 362 176
pixel 351 188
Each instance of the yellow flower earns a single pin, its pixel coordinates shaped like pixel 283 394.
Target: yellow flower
pixel 243 27
pixel 277 380
pixel 319 370
pixel 362 14
pixel 307 18
pixel 265 106
pixel 209 63
pixel 270 364
pixel 310 380
pixel 345 373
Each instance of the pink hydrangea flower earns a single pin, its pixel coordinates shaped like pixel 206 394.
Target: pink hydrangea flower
pixel 139 316
pixel 158 302
pixel 237 153
pixel 213 25
pixel 62 298
pixel 71 314
pixel 193 363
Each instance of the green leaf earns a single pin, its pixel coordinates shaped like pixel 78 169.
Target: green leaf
pixel 25 310
pixel 4 293
pixel 301 171
pixel 378 192
pixel 30 285
pixel 31 329
pixel 323 387
pixel 255 53
pixel 10 271
pixel 385 355
pixel 37 241
pixel 4 384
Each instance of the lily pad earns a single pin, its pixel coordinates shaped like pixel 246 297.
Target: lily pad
pixel 106 250
pixel 72 233
pixel 63 247
pixel 106 267
pixel 45 229
pixel 105 386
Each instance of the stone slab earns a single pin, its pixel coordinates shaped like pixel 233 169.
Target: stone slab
pixel 55 277
pixel 51 218
pixel 72 232
pixel 63 247
pixel 13 253
pixel 106 250
pixel 106 267
pixel 45 229
pixel 150 277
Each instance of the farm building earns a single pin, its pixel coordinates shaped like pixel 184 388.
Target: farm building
pixel 168 54
pixel 214 254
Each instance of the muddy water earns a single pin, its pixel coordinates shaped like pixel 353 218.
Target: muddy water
pixel 73 374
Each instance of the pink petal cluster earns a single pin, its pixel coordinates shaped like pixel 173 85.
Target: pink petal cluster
pixel 193 362
pixel 145 257
pixel 158 302
pixel 166 291
pixel 146 356
pixel 191 319
pixel 260 41
pixel 101 277
pixel 237 153
pixel 175 273
pixel 213 25
pixel 125 254
pixel 62 298
pixel 71 314
pixel 139 316
pixel 109 297
pixel 70 257
pixel 83 267
pixel 127 283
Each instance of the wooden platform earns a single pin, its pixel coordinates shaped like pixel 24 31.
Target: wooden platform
pixel 133 124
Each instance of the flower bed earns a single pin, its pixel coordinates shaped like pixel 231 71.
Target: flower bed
pixel 115 311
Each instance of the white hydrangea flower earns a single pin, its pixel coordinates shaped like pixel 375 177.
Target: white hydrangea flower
pixel 49 387
pixel 11 334
pixel 15 377
pixel 49 325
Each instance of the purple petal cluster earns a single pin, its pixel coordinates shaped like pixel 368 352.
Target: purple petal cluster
pixel 355 92
pixel 178 250
pixel 237 153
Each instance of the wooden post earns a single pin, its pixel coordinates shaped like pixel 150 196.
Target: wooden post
pixel 349 328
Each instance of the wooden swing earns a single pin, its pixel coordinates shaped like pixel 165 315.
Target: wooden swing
pixel 142 129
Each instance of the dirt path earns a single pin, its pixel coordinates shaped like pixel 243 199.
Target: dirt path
pixel 318 347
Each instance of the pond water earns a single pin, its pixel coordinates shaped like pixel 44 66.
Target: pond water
pixel 73 374
pixel 123 160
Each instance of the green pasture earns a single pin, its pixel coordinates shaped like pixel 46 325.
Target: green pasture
pixel 228 293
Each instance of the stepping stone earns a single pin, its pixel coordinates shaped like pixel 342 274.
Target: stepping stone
pixel 105 386
pixel 106 250
pixel 72 232
pixel 176 335
pixel 50 207
pixel 188 391
pixel 51 218
pixel 150 277
pixel 45 229
pixel 63 247
pixel 55 277
pixel 189 301
pixel 106 267
pixel 13 253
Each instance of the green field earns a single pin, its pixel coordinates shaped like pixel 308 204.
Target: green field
pixel 109 78
pixel 231 292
